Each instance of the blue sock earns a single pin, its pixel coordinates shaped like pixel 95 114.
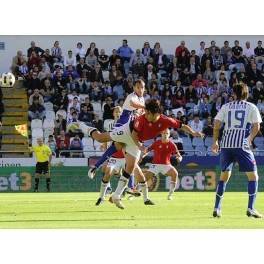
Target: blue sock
pixel 108 153
pixel 219 194
pixel 252 193
pixel 131 182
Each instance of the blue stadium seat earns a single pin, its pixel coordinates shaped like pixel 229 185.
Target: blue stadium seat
pixel 198 142
pixel 200 151
pixel 208 141
pixel 186 141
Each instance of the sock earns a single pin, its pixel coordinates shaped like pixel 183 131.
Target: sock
pixel 36 183
pixel 108 153
pixel 252 193
pixel 104 186
pixel 143 186
pixel 131 183
pixel 172 187
pixel 48 183
pixel 122 184
pixel 219 194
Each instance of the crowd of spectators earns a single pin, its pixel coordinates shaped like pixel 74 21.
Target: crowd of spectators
pixel 191 84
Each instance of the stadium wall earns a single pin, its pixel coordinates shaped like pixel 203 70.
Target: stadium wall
pixel 70 175
pixel 168 43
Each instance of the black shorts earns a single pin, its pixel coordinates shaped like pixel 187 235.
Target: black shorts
pixel 42 167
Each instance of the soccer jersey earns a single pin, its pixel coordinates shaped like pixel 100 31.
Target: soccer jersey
pixel 42 153
pixel 163 151
pixel 148 130
pixel 238 117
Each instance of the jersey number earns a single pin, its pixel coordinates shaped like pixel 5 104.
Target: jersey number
pixel 119 133
pixel 239 116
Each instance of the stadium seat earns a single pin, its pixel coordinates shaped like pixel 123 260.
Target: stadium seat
pixel 98 109
pixel 36 123
pixel 48 132
pixel 106 75
pixel 50 115
pixel 61 112
pixel 259 142
pixel 208 141
pixel 186 141
pixel 198 142
pixel 48 123
pixel 37 133
pixel 189 150
pixel 87 141
pixel 48 106
pixel 82 97
pixel 200 151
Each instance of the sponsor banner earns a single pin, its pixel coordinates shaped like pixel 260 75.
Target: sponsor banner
pixel 29 162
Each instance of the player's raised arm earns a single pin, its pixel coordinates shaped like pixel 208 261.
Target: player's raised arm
pixel 190 131
pixel 137 105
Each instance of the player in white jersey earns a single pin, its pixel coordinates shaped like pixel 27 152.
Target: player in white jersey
pixel 133 105
pixel 241 121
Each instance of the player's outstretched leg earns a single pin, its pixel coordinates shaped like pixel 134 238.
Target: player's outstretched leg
pixel 103 189
pixel 252 194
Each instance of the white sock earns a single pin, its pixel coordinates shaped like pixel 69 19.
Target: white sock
pixel 144 188
pixel 103 189
pixel 172 187
pixel 122 184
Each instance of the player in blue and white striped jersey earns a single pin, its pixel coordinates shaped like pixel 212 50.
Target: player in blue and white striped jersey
pixel 241 121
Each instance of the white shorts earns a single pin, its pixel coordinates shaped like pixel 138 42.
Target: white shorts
pixel 116 164
pixel 159 168
pixel 123 135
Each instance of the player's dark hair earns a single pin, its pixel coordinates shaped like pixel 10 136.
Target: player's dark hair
pixel 139 81
pixel 153 106
pixel 241 91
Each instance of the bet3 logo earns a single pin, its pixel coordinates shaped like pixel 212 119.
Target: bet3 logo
pixel 7 80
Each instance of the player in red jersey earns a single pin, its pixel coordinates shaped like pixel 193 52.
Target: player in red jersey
pixel 131 136
pixel 163 150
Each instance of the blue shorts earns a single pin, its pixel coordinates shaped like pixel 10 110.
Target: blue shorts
pixel 245 159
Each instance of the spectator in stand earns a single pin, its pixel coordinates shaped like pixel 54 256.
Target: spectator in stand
pixel 225 49
pixel 61 101
pixel 93 49
pixel 70 60
pixel 52 144
pixel 34 48
pixel 83 85
pixel 34 60
pixel 204 107
pixel 217 60
pixel 120 66
pixel 148 73
pixel 183 61
pixel 185 77
pixel 193 68
pixel 190 93
pixel 146 50
pixel 107 89
pixel 200 52
pixel 48 57
pixel 205 57
pixel 213 48
pixel 155 50
pixel 79 52
pixel 114 76
pixel 136 57
pixel 63 143
pixel 103 60
pixel 23 70
pixel 259 52
pixel 82 68
pixel 85 116
pixel 208 127
pixel 258 92
pixel 36 110
pixel 18 61
pixel 233 79
pixel 60 124
pixel 95 92
pixel 125 52
pixel 73 116
pixel 89 106
pixel 32 83
pixel 56 52
pixel 47 91
pixel 174 77
pixel 199 79
pixel 75 104
pixel 114 57
pixel 208 74
pixel 166 101
pixel 248 51
pixel 196 124
pixel 97 74
pixel 201 89
pixel 70 70
pixel 180 49
pixel 161 61
pixel 260 105
pixel 178 100
pixel 221 71
pixel 59 83
pixel 253 75
pixel 36 96
pixel 76 144
pixel 216 106
pixel 108 109
pixel 237 50
pixel 91 59
pixel 98 123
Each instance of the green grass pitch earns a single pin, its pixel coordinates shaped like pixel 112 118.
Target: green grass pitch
pixel 77 210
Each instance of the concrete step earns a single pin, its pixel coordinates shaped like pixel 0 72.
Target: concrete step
pixel 13 137
pixel 13 141
pixel 13 118
pixel 22 101
pixel 21 114
pixel 15 147
pixel 15 95
pixel 15 155
pixel 10 130
pixel 14 122
pixel 16 109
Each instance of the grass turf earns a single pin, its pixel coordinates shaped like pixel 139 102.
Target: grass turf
pixel 77 210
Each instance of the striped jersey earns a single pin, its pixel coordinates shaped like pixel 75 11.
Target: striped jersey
pixel 238 117
pixel 133 97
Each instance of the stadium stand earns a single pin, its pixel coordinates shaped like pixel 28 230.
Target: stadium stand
pixel 191 84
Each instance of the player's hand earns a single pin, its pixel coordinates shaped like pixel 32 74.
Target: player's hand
pixel 215 148
pixel 178 157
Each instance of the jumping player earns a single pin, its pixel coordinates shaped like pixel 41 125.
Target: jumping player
pixel 133 105
pixel 241 124
pixel 163 150
pixel 131 135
